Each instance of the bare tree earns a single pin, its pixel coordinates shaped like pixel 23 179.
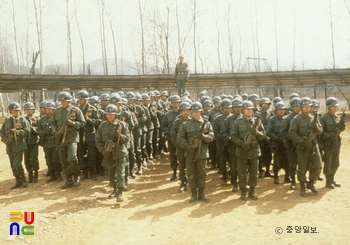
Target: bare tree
pixel 15 35
pixel 276 36
pixel 257 35
pixel 143 53
pixel 101 13
pixel 114 44
pixel 194 34
pixel 229 36
pixel 332 35
pixel 218 37
pixel 69 42
pixel 81 39
pixel 39 31
pixel 178 27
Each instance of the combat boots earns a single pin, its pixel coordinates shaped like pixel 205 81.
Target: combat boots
pixel 311 186
pixel 58 176
pixel 35 178
pixel 224 179
pixel 69 182
pixel 24 181
pixel 174 176
pixel 302 189
pixel 286 177
pixel 333 181
pixel 76 179
pixel 252 194
pixel 329 182
pixel 119 195
pixel 194 195
pixel 201 195
pixel 85 174
pixel 92 174
pixel 234 183
pixel 18 183
pixel 243 193
pixel 292 184
pixel 183 186
pixel 126 182
pixel 52 176
pixel 139 169
pixel 114 193
pixel 30 177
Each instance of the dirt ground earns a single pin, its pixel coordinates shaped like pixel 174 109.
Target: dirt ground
pixel 154 213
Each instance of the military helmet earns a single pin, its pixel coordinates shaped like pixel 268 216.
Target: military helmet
pixel 245 96
pixel 164 93
pixel 64 96
pixel 305 101
pixel 105 97
pixel 208 103
pixel 50 105
pixel 184 97
pixel 216 99
pixel 156 93
pixel 315 102
pixel 14 106
pixel 247 104
pixel 28 106
pixel 184 105
pixel 42 103
pixel 130 95
pixel 196 106
pixel 222 96
pixel 237 96
pixel 74 101
pixel 201 94
pixel 57 104
pixel 265 101
pixel 175 98
pixel 138 96
pixel 116 98
pixel 187 100
pixel 93 100
pixel 186 93
pixel 254 97
pixel 280 105
pixel 226 103
pixel 276 100
pixel 204 98
pixel 230 97
pixel 293 95
pixel 120 93
pixel 145 97
pixel 111 109
pixel 152 94
pixel 124 101
pixel 236 102
pixel 295 102
pixel 332 101
pixel 82 94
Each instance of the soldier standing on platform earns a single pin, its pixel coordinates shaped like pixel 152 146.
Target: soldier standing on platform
pixel 181 75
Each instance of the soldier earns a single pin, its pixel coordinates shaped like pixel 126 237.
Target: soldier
pixel 104 101
pixel 280 157
pixel 208 105
pixel 152 117
pixel 86 145
pixel 156 122
pixel 116 131
pixel 292 95
pixel 181 75
pixel 314 111
pixel 195 136
pixel 14 131
pixel 226 131
pixel 332 126
pixel 247 152
pixel 66 122
pixel 138 129
pixel 94 101
pixel 145 118
pixel 245 97
pixel 47 140
pixel 166 125
pixel 180 153
pixel 42 108
pixel 287 140
pixel 309 158
pixel 164 108
pixel 255 99
pixel 31 159
pixel 221 144
pixel 213 154
pixel 266 155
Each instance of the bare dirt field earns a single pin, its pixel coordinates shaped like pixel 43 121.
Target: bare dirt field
pixel 154 213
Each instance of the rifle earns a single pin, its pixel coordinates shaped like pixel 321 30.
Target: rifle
pixel 62 131
pixel 249 138
pixel 311 137
pixel 340 126
pixel 11 134
pixel 45 136
pixel 109 146
pixel 196 143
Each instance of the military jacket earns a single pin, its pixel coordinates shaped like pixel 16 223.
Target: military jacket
pixel 88 131
pixel 181 71
pixel 273 130
pixel 329 124
pixel 188 132
pixel 168 121
pixel 227 130
pixel 22 127
pixel 104 133
pixel 217 125
pixel 33 137
pixel 213 112
pixel 44 122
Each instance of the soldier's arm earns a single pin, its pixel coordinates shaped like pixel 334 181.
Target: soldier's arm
pixel 125 134
pixel 164 124
pixel 284 129
pixel 173 131
pixel 224 131
pixel 2 132
pixel 175 77
pixel 80 120
pixel 269 129
pixel 93 120
pixel 40 127
pixel 235 134
pixel 181 137
pixel 293 132
pixel 98 139
pixel 53 122
pixel 324 135
pixel 187 72
pixel 262 134
pixel 208 136
pixel 25 129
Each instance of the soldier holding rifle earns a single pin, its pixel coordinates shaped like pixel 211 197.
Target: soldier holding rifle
pixel 194 136
pixel 332 125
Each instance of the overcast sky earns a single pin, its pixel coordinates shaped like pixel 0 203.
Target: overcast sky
pixel 302 27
